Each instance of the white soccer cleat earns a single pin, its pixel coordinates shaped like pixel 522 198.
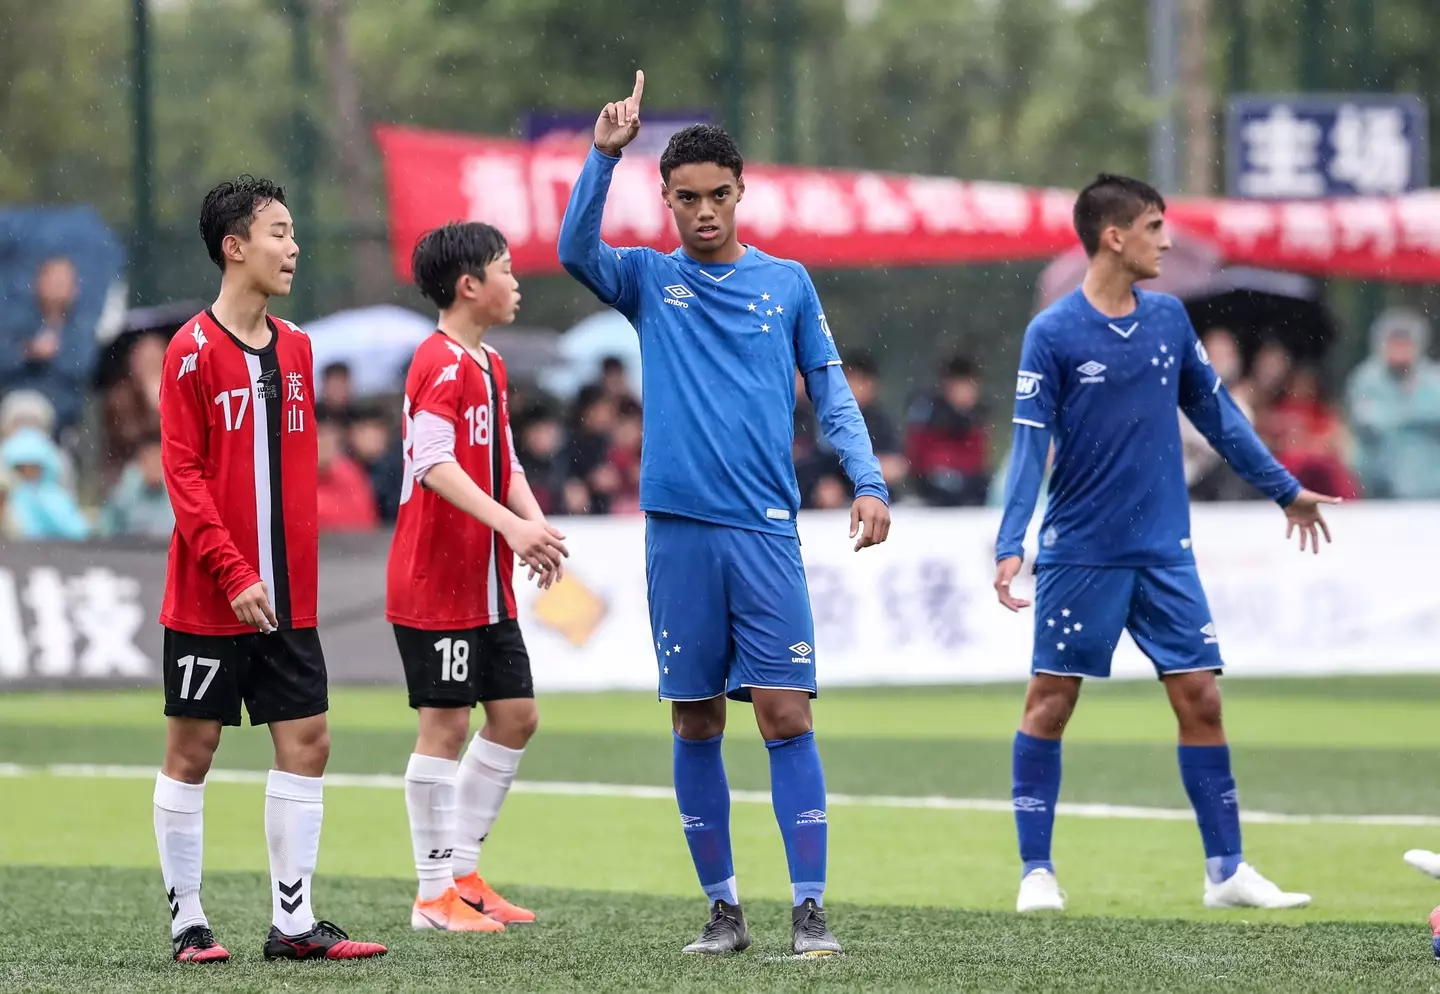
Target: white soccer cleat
pixel 1425 861
pixel 1246 888
pixel 1040 891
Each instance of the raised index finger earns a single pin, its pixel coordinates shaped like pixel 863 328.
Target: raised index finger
pixel 639 85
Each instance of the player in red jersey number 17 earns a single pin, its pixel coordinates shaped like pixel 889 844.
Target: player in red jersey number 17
pixel 466 513
pixel 237 425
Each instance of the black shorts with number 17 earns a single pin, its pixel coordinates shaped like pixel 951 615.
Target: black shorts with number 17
pixel 280 676
pixel 462 668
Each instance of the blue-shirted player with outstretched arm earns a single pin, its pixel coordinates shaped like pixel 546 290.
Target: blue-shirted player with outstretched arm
pixel 723 328
pixel 1101 374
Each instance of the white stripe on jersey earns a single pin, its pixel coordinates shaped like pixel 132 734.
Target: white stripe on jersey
pixel 260 424
pixel 492 582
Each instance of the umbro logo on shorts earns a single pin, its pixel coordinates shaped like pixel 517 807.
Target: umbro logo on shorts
pixel 802 651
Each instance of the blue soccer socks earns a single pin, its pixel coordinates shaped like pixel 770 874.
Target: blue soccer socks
pixel 1034 790
pixel 797 789
pixel 703 794
pixel 1205 771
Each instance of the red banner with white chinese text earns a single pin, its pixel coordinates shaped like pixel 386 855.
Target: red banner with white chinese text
pixel 831 218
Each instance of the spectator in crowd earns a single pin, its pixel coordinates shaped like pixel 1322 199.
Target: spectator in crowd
pixel 132 404
pixel 947 440
pixel 590 479
pixel 7 482
pixel 138 504
pixel 55 358
pixel 39 505
pixel 379 456
pixel 615 383
pixel 32 409
pixel 540 444
pixel 1311 436
pixel 1208 476
pixel 624 458
pixel 1393 400
pixel 345 497
pixel 337 387
pixel 863 374
pixel 1269 372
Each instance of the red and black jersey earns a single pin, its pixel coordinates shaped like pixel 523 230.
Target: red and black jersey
pixel 447 570
pixel 238 443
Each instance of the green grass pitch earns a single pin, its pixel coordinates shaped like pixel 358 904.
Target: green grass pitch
pixel 920 891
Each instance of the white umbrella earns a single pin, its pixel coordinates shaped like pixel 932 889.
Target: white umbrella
pixel 375 342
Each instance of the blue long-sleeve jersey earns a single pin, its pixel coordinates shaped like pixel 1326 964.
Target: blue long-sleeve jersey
pixel 1106 390
pixel 719 345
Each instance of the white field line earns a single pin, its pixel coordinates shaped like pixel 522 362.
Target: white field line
pixel 644 792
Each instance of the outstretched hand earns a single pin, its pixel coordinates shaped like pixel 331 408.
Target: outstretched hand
pixel 1304 513
pixel 619 122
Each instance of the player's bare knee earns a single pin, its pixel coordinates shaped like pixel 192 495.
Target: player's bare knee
pixel 190 746
pixel 302 747
pixel 783 715
pixel 443 732
pixel 511 723
pixel 1049 704
pixel 698 719
pixel 1195 698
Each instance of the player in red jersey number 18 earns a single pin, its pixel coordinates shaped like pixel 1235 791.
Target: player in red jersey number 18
pixel 237 425
pixel 466 513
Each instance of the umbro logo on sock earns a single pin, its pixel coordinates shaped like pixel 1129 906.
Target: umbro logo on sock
pixel 814 816
pixel 691 821
pixel 292 891
pixel 1031 805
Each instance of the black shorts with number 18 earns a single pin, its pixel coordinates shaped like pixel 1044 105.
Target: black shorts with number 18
pixel 459 669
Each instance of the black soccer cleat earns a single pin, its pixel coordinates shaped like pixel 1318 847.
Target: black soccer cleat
pixel 197 945
pixel 325 941
pixel 725 932
pixel 810 936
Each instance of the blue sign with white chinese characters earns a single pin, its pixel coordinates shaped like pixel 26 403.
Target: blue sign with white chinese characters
pixel 1327 146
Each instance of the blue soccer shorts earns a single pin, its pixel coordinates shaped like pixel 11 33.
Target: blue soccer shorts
pixel 729 610
pixel 1081 611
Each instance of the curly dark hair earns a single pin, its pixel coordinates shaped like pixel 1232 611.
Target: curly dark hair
pixel 443 255
pixel 701 143
pixel 230 207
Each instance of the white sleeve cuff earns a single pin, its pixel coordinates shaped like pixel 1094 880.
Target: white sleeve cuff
pixel 1028 423
pixel 433 443
pixel 515 466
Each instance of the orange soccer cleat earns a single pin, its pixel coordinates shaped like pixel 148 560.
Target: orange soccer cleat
pixel 475 892
pixel 450 913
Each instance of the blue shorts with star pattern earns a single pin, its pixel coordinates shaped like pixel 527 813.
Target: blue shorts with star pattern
pixel 1081 611
pixel 729 610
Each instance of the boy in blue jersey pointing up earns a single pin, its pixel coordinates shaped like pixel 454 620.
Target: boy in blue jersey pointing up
pixel 723 328
pixel 1101 374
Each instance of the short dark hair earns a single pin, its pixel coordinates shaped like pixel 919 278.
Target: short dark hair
pixel 961 368
pixel 612 364
pixel 230 207
pixel 443 255
pixel 1111 199
pixel 337 368
pixel 701 143
pixel 862 362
